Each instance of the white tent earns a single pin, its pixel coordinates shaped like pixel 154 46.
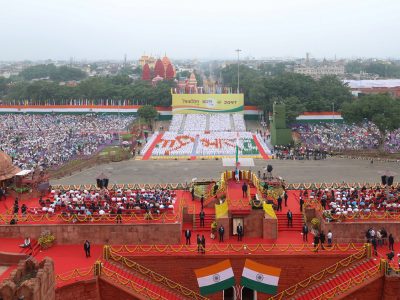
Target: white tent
pixel 244 162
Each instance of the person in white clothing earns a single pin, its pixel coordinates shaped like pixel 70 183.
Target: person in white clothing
pixel 329 237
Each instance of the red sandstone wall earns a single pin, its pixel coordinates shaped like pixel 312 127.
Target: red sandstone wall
pixel 100 233
pixel 391 289
pixel 294 267
pixel 270 230
pixel 8 259
pixel 253 224
pixel 87 290
pixel 355 232
pixel 109 291
pixel 370 290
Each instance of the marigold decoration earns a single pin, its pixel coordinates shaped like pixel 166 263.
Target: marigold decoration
pixel 46 239
pixel 315 222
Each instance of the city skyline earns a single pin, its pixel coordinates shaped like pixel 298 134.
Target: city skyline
pixel 104 30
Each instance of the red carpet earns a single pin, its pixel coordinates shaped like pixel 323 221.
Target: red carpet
pixel 237 203
pixel 122 273
pixel 69 257
pixel 147 155
pixel 260 148
pixel 332 281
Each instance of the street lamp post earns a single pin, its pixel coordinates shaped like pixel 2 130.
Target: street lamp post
pixel 238 53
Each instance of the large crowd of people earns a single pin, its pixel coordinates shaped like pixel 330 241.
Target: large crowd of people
pixel 350 201
pixel 340 137
pixel 42 141
pixel 298 153
pixel 102 203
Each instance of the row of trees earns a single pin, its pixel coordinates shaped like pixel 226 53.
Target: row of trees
pixel 62 73
pixel 382 110
pixel 96 88
pixel 299 92
pixel 382 69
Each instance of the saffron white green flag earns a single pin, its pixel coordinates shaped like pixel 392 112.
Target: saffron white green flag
pixel 259 277
pixel 237 150
pixel 214 278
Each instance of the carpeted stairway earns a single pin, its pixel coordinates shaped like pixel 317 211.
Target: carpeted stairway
pixel 283 223
pixel 156 291
pixel 335 279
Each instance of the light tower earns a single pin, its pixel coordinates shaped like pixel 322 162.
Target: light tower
pixel 238 78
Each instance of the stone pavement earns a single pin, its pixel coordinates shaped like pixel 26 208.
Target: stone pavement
pixel 153 171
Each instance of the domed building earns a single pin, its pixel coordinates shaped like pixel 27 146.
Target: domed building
pixel 159 69
pixel 7 169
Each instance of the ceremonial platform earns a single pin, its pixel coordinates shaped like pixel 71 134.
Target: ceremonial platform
pixel 147 255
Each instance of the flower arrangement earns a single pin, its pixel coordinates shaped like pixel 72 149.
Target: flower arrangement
pixel 315 223
pixel 46 239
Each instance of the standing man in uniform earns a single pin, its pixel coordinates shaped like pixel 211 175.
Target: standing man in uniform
pixel 289 218
pixel 221 232
pixel 188 235
pixel 86 247
pixel 239 230
pixel 279 203
pixel 202 216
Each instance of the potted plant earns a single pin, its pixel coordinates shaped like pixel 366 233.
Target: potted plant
pixel 46 239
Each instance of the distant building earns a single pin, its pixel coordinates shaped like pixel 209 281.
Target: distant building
pixel 389 86
pixel 320 70
pixel 161 68
pixel 147 59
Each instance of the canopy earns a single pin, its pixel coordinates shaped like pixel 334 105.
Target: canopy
pixel 23 173
pixel 244 162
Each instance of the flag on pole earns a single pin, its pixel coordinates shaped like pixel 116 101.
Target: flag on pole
pixel 237 150
pixel 214 278
pixel 259 277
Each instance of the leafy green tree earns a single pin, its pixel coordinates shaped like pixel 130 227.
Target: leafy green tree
pixel 62 73
pixel 294 107
pixel 148 113
pixel 382 110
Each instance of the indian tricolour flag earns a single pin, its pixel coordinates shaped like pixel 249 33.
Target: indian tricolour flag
pixel 215 278
pixel 237 150
pixel 260 277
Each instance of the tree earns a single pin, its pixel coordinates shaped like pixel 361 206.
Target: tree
pixel 382 110
pixel 294 108
pixel 147 112
pixel 52 72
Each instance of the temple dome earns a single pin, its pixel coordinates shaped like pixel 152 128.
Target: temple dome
pixel 166 61
pixel 7 169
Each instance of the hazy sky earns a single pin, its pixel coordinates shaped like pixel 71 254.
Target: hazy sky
pixel 105 29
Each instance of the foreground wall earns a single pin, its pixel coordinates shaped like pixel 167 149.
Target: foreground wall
pixel 355 232
pixel 85 289
pixel 294 267
pixel 100 233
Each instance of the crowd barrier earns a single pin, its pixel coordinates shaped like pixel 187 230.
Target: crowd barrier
pixel 363 253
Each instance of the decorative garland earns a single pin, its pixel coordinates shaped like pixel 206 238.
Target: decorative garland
pixel 345 286
pixel 157 277
pixel 141 249
pixel 131 284
pixel 182 186
pixel 320 275
pixel 76 273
